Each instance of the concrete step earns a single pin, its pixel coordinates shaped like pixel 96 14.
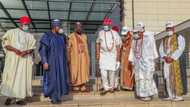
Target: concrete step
pixel 104 102
pixel 114 103
pixel 94 96
pixel 93 99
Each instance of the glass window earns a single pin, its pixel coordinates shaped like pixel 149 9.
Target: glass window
pixel 12 3
pixel 17 13
pixel 39 14
pixel 78 15
pixel 36 4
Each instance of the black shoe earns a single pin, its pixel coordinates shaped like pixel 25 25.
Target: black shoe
pixel 101 89
pixel 56 102
pixel 8 101
pixel 59 101
pixel 116 89
pixel 103 93
pixel 21 102
pixel 112 91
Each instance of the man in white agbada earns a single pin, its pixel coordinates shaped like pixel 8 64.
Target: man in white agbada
pixel 107 54
pixel 171 48
pixel 18 45
pixel 142 55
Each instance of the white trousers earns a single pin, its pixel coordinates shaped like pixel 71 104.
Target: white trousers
pixel 108 79
pixel 167 77
pixel 116 84
pixel 169 88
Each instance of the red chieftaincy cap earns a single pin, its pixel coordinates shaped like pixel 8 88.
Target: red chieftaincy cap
pixel 25 20
pixel 107 21
pixel 115 28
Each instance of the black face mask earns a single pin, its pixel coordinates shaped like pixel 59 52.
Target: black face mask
pixel 78 31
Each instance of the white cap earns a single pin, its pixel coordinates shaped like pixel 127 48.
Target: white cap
pixel 124 30
pixel 78 23
pixel 169 24
pixel 140 25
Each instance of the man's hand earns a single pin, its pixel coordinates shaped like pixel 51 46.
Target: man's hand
pixel 165 58
pixel 46 66
pixel 24 53
pixel 168 59
pixel 18 52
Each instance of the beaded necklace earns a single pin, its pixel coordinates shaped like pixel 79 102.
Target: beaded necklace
pixel 113 42
pixel 138 48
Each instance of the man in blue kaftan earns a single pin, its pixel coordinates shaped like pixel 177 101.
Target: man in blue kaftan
pixel 53 56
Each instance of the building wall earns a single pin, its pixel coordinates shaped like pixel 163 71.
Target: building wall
pixel 154 13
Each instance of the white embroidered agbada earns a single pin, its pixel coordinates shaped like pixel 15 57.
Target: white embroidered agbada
pixel 17 74
pixel 109 40
pixel 144 65
pixel 108 58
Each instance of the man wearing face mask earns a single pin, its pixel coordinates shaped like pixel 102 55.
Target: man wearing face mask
pixel 54 59
pixel 127 75
pixel 18 45
pixel 78 59
pixel 171 48
pixel 108 55
pixel 142 55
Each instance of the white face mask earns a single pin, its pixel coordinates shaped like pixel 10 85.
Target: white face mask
pixel 136 36
pixel 61 31
pixel 25 28
pixel 106 28
pixel 170 33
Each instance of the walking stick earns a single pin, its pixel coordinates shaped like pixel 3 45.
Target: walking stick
pixel 97 77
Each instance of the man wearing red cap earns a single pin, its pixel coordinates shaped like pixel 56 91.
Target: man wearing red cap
pixel 18 45
pixel 107 54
